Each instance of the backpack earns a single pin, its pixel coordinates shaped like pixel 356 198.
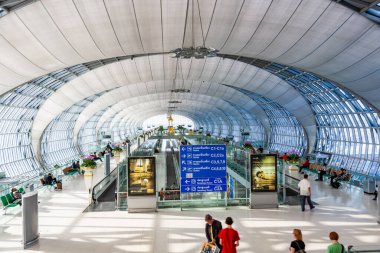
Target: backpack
pixel 335 184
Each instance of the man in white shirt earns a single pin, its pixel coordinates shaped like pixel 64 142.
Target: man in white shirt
pixel 305 192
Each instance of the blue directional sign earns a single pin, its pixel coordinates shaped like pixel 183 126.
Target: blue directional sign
pixel 203 168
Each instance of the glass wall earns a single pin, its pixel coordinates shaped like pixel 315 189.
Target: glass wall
pixel 17 110
pixel 87 141
pixel 346 126
pixel 57 143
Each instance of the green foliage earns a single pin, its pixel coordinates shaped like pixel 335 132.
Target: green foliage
pixel 88 163
pixel 293 158
pixel 248 146
pixel 117 149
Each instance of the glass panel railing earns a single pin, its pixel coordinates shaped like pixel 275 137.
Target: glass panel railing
pixel 363 248
pixel 121 189
pixel 29 183
pixel 103 185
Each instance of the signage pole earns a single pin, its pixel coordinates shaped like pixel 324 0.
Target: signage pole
pixel 283 183
pixel 246 174
pixel 226 195
pixel 180 193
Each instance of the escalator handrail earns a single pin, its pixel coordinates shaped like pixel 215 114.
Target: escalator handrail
pixel 95 192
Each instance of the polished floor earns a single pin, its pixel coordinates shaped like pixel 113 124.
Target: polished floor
pixel 65 228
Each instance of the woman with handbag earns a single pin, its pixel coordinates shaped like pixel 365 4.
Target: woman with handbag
pixel 297 246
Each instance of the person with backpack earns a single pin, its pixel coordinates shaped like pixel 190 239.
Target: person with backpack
pixel 297 246
pixel 335 247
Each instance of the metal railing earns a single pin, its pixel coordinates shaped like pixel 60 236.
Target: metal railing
pixel 32 182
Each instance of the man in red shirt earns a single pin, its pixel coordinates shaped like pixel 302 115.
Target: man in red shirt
pixel 305 165
pixel 229 237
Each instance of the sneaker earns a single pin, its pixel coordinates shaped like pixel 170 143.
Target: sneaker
pixel 312 207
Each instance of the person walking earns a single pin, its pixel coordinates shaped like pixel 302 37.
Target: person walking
pixel 335 246
pixel 229 238
pixel 297 245
pixel 375 193
pixel 305 192
pixel 212 229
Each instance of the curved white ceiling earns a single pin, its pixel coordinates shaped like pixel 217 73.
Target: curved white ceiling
pixel 198 103
pixel 154 74
pixel 153 108
pixel 319 36
pixel 124 99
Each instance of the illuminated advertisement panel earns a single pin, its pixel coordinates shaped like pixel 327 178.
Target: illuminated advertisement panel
pixel 141 176
pixel 263 173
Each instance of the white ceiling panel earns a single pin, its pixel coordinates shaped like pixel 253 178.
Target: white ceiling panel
pixel 72 27
pixel 148 13
pixel 124 23
pixel 362 69
pixel 248 21
pixel 347 34
pixel 363 47
pixel 129 67
pixel 117 72
pixel 305 16
pixel 330 21
pixel 278 15
pixel 29 59
pixel 97 22
pixel 173 21
pixel 39 23
pixel 225 14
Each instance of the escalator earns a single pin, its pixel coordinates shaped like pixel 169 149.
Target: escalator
pixel 171 154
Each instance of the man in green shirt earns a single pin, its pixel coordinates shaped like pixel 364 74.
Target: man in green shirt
pixel 335 247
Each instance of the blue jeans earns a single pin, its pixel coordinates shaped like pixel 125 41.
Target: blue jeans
pixel 303 198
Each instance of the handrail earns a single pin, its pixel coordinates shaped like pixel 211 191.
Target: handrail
pixel 34 180
pixel 176 168
pixel 96 191
pixel 363 248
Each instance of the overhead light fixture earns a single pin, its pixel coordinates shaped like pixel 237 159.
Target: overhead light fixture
pixel 198 52
pixel 180 90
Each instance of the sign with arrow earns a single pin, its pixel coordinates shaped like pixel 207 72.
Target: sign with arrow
pixel 203 168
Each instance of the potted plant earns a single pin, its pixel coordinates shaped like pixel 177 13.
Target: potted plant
pixel 293 159
pixel 117 150
pixel 88 163
pixel 160 130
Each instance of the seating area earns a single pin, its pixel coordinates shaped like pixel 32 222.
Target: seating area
pixel 9 201
pixel 328 172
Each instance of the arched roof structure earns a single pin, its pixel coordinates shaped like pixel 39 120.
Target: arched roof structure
pixel 312 65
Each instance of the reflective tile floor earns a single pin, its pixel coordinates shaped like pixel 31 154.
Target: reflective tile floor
pixel 65 228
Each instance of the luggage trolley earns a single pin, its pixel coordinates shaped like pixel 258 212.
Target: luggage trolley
pixel 209 248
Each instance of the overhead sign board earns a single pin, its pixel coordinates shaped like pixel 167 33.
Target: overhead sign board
pixel 203 168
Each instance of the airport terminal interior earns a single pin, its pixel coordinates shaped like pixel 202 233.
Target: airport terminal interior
pixel 124 122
